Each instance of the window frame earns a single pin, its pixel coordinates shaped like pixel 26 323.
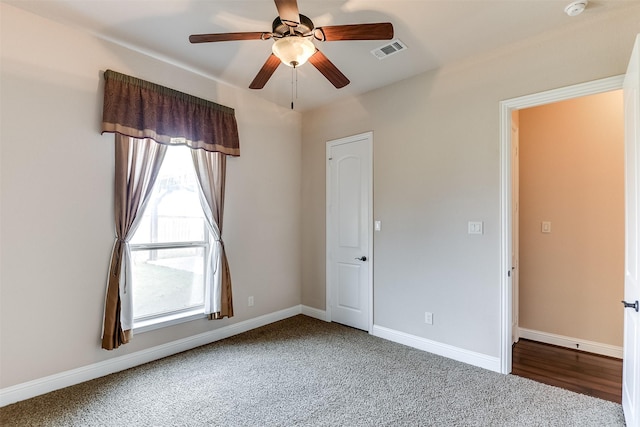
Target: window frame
pixel 169 318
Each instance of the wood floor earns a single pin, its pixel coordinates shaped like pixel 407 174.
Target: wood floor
pixel 574 370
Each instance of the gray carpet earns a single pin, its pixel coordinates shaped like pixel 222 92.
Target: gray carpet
pixel 305 372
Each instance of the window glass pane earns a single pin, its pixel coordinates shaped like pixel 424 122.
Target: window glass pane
pixel 174 213
pixel 167 280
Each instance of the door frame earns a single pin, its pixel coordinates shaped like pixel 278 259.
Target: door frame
pixel 506 220
pixel 368 138
pixel 515 232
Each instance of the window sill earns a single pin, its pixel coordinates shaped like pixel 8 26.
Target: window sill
pixel 165 321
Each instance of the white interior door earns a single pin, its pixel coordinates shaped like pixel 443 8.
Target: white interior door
pixel 631 363
pixel 349 220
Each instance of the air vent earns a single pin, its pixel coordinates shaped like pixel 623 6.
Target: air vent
pixel 389 49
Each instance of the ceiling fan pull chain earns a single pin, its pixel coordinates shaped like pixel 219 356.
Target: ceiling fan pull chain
pixel 293 70
pixel 294 84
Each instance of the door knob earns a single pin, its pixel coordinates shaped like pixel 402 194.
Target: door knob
pixel 362 258
pixel 635 305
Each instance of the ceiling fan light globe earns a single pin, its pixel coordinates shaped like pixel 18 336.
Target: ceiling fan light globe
pixel 293 50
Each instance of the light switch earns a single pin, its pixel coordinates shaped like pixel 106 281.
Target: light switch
pixel 475 227
pixel 546 226
pixel 377 225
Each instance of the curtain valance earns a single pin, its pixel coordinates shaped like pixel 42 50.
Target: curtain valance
pixel 141 109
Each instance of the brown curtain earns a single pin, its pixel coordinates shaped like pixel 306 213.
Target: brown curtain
pixel 137 162
pixel 135 108
pixel 141 109
pixel 211 170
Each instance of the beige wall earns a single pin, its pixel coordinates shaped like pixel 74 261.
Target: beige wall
pixel 572 174
pixel 56 173
pixel 436 167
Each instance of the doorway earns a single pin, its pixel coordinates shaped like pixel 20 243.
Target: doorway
pixel 506 110
pixel 568 233
pixel 568 243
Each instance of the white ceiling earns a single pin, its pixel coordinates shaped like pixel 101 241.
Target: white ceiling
pixel 436 32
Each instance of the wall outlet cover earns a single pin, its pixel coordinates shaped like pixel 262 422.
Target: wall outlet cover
pixel 428 318
pixel 476 227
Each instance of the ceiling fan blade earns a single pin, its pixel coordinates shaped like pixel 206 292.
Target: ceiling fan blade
pixel 330 71
pixel 288 12
pixel 226 37
pixel 265 72
pixel 378 31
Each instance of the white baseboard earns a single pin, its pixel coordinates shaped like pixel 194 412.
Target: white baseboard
pixel 455 353
pixel 314 312
pixel 569 342
pixel 50 383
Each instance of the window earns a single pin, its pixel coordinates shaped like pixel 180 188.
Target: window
pixel 170 246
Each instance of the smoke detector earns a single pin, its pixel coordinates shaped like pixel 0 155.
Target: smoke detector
pixel 576 8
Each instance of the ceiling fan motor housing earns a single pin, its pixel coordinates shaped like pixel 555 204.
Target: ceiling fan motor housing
pixel 304 28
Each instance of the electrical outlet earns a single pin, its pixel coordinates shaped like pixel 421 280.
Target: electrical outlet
pixel 428 318
pixel 250 302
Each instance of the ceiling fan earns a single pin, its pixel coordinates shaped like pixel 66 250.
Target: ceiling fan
pixel 292 33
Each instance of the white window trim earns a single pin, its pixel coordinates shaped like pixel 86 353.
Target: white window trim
pixel 163 320
pixel 170 245
pixel 159 322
